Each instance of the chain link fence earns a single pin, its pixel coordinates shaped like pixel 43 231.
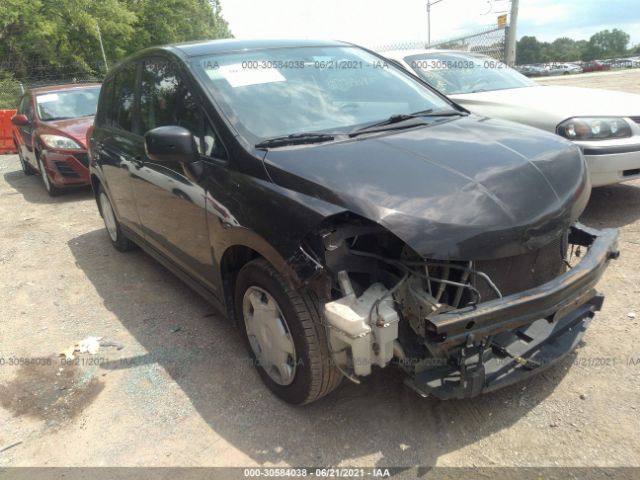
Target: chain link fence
pixel 490 42
pixel 17 77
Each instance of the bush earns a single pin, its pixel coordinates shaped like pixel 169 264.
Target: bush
pixel 10 91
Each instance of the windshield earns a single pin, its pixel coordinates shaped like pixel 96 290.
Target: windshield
pixel 454 73
pixel 65 104
pixel 276 92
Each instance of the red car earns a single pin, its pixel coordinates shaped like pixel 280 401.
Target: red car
pixel 49 130
pixel 595 66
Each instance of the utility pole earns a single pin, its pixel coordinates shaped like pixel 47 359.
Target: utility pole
pixel 510 50
pixel 104 57
pixel 429 3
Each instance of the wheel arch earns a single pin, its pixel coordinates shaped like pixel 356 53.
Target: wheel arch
pixel 237 255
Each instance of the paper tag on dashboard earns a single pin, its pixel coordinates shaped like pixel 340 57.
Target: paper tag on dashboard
pixel 49 97
pixel 237 76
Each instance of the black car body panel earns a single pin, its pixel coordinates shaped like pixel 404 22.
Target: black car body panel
pixel 464 184
pixel 464 192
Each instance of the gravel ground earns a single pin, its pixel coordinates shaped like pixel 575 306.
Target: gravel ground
pixel 181 391
pixel 623 80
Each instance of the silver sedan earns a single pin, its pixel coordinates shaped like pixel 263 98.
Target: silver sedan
pixel 605 124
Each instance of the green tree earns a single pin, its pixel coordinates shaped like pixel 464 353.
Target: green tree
pixel 51 33
pixel 42 41
pixel 528 50
pixel 565 49
pixel 606 44
pixel 172 21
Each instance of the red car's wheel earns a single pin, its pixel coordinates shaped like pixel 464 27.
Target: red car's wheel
pixel 52 190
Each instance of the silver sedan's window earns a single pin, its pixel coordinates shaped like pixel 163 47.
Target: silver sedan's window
pixel 456 73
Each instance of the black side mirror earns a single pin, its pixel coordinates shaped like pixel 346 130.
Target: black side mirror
pixel 170 144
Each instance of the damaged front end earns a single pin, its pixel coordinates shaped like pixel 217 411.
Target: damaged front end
pixel 458 328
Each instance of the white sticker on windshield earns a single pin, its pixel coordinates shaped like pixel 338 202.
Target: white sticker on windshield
pixel 237 76
pixel 49 97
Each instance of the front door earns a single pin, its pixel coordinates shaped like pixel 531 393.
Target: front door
pixel 170 201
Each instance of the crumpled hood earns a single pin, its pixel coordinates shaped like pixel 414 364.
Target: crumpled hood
pixel 471 188
pixel 547 106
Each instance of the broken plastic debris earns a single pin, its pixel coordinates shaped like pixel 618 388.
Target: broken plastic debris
pixel 631 314
pixel 90 345
pixel 87 345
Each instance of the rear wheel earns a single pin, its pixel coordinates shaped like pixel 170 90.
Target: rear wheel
pixel 284 335
pixel 52 190
pixel 116 236
pixel 26 168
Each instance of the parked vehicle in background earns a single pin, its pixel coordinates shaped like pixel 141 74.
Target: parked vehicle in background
pixel 49 131
pixel 531 70
pixel 623 63
pixel 347 215
pixel 562 69
pixel 595 66
pixel 604 124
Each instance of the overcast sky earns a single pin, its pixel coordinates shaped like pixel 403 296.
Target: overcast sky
pixel 377 22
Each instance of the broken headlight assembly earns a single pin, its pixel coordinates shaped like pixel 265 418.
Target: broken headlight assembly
pixel 460 327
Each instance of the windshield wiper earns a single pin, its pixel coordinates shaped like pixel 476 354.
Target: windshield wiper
pixel 401 117
pixel 295 139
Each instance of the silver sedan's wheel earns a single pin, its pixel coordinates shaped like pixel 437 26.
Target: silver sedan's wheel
pixel 269 335
pixel 109 217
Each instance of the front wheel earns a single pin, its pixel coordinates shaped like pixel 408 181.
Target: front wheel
pixel 116 236
pixel 52 190
pixel 284 334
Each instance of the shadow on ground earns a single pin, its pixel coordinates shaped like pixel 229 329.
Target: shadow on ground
pixel 203 353
pixel 32 189
pixel 613 206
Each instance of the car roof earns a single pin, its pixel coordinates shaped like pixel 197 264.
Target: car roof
pixel 60 88
pixel 193 49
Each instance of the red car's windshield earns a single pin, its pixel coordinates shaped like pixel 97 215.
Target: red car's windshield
pixel 81 102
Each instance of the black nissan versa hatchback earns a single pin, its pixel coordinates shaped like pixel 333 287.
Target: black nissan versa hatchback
pixel 346 215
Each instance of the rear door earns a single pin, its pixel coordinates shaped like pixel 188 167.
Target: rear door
pixel 170 200
pixel 117 147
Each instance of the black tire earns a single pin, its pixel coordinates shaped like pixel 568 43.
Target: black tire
pixel 51 189
pixel 315 374
pixel 26 168
pixel 116 236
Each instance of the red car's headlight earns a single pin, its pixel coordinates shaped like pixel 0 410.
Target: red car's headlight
pixel 58 141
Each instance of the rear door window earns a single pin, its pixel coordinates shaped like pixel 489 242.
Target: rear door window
pixel 105 102
pixel 122 106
